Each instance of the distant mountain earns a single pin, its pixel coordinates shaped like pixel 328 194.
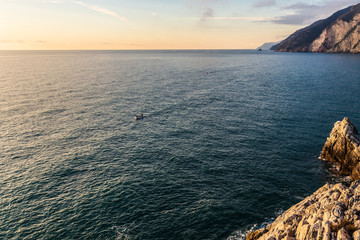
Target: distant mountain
pixel 267 46
pixel 338 33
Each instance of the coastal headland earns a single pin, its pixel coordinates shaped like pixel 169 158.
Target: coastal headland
pixel 333 211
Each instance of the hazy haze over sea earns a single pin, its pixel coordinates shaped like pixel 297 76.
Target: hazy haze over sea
pixel 230 139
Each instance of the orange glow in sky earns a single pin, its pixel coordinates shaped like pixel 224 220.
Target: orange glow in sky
pixel 157 24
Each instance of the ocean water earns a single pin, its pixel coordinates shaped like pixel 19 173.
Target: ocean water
pixel 230 139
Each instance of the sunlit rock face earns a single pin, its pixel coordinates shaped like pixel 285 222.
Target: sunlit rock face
pixel 331 213
pixel 341 36
pixel 342 148
pixel 339 33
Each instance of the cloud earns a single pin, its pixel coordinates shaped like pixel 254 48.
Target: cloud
pixel 202 3
pixel 208 14
pixel 52 1
pixel 307 13
pixel 253 19
pixel 264 3
pixel 101 10
pixel 293 19
pixel 301 6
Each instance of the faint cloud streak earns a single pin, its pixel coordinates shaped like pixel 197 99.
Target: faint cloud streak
pixel 52 1
pixel 102 10
pixel 254 19
pixel 264 3
pixel 307 13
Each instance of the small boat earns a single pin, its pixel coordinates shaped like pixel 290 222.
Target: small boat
pixel 259 49
pixel 138 117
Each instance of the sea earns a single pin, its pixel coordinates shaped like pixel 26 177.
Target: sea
pixel 230 139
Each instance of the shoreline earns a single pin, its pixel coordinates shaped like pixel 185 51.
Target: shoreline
pixel 332 211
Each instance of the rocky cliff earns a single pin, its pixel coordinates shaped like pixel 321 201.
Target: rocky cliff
pixel 338 33
pixel 342 148
pixel 332 212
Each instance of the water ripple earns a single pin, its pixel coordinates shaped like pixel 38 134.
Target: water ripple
pixel 230 138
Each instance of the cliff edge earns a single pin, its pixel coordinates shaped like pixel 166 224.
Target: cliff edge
pixel 331 213
pixel 342 148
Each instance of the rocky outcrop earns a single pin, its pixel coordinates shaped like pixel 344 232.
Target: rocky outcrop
pixel 338 33
pixel 331 213
pixel 342 148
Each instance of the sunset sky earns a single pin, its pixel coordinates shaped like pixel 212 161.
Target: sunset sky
pixel 155 24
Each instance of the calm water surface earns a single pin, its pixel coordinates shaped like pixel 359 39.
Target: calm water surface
pixel 230 139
